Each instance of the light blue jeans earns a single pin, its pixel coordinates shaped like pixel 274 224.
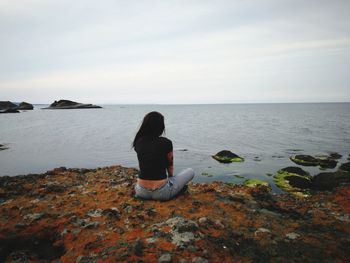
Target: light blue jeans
pixel 169 190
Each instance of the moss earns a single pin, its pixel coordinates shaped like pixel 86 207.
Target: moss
pixel 224 159
pixel 238 176
pixel 282 182
pixel 256 182
pixel 303 162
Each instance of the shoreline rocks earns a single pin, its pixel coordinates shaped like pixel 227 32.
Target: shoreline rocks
pixel 80 215
pixel 68 104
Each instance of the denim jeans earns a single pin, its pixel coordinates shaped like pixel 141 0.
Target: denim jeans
pixel 170 189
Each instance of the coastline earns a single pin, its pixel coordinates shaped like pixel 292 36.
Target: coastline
pixel 91 215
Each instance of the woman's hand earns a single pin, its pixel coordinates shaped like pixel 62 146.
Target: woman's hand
pixel 170 167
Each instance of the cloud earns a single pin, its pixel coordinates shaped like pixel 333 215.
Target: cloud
pixel 158 51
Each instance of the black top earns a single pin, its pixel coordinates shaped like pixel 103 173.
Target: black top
pixel 152 156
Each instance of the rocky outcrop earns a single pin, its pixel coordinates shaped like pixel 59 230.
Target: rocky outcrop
pixel 25 106
pixel 67 104
pixel 10 107
pixel 226 156
pixel 4 105
pixel 81 215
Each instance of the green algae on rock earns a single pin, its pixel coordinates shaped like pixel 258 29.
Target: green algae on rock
pixel 293 180
pixel 255 182
pixel 226 156
pixel 306 160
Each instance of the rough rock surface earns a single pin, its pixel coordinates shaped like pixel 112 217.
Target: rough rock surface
pixel 81 215
pixel 68 104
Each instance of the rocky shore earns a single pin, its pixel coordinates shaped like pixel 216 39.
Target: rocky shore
pixel 81 215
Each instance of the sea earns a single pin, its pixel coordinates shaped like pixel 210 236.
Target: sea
pixel 265 135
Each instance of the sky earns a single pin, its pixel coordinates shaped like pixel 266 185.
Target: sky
pixel 175 52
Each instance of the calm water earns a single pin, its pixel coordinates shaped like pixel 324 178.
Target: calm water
pixel 40 140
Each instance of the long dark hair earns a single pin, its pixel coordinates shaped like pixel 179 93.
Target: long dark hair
pixel 152 126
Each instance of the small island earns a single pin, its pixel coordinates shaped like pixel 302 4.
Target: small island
pixel 11 107
pixel 68 104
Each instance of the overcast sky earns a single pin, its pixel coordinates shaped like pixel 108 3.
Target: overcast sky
pixel 182 51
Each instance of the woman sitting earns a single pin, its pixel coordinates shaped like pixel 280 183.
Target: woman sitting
pixel 155 155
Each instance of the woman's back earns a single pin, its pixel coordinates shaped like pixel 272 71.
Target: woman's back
pixel 152 157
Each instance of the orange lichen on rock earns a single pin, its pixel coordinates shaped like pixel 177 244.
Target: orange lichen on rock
pixel 82 215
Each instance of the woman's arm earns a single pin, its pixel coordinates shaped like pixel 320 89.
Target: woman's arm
pixel 170 167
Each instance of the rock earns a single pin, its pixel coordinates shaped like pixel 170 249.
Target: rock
pixel 295 170
pixel 345 167
pixel 329 181
pixel 33 217
pixel 199 260
pixel 306 160
pixel 138 248
pixel 92 225
pixel 218 224
pixel 165 258
pixel 86 259
pixel 67 104
pixel 335 156
pixel 95 213
pixel 299 182
pixel 112 213
pixel 256 182
pixel 226 156
pixel 4 105
pixel 327 163
pixel 181 224
pixel 25 106
pixel 203 221
pixel 296 181
pixel 262 230
pixel 182 239
pixel 292 236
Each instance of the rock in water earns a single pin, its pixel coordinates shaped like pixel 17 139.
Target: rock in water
pixel 335 156
pixel 327 163
pixel 67 104
pixel 345 167
pixel 293 180
pixel 4 105
pixel 226 156
pixel 306 160
pixel 25 106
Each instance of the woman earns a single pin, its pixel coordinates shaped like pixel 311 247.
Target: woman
pixel 155 155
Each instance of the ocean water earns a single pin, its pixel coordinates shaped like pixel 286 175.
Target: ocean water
pixel 40 140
